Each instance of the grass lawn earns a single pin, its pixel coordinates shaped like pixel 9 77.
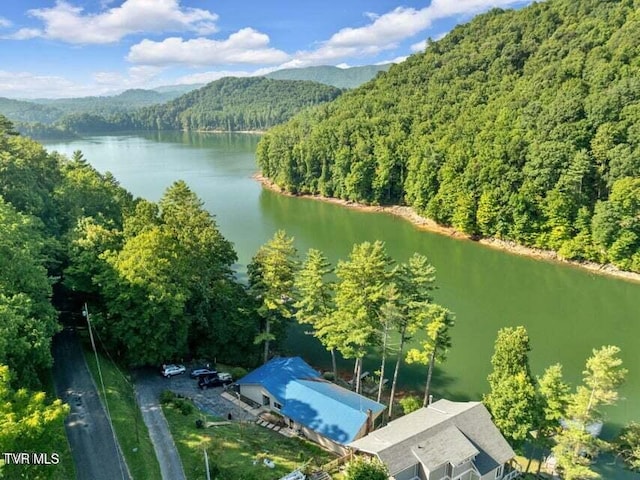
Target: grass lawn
pixel 127 420
pixel 232 449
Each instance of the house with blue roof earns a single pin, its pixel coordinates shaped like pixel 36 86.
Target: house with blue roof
pixel 321 410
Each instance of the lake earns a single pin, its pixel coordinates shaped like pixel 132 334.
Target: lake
pixel 567 311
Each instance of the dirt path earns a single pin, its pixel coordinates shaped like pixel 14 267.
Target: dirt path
pixel 95 451
pixel 147 394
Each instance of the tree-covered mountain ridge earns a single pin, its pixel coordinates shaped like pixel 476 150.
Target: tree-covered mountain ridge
pixel 227 104
pixel 232 104
pixel 521 125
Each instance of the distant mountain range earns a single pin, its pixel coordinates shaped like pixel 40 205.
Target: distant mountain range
pixel 173 106
pixel 338 77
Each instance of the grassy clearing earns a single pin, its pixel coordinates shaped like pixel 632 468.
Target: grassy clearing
pixel 127 420
pixel 233 449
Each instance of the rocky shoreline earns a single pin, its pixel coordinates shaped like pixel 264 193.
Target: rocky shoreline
pixel 424 223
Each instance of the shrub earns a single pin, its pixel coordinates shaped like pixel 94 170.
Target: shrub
pixel 185 406
pixel 167 396
pixel 366 469
pixel 238 372
pixel 410 404
pixel 328 376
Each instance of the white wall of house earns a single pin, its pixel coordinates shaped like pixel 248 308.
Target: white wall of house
pixel 256 393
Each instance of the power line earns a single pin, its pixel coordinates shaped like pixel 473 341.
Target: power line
pixel 104 391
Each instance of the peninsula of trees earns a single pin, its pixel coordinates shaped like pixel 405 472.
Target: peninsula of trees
pixel 521 125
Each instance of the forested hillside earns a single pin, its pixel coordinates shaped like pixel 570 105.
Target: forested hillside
pixel 234 104
pixel 338 77
pixel 520 125
pixel 24 111
pixel 161 271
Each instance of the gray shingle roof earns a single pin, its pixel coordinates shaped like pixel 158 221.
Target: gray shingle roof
pixel 444 428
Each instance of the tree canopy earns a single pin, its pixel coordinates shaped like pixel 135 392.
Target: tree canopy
pixel 520 125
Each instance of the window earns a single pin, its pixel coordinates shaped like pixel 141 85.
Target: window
pixel 277 405
pixel 266 401
pixel 499 471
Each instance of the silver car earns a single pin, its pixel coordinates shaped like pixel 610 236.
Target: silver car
pixel 171 370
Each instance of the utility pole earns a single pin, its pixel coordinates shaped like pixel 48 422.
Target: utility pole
pixel 206 464
pixel 85 313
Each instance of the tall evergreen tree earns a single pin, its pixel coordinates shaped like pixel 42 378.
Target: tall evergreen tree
pixel 360 296
pixel 271 281
pixel 512 398
pixel 314 293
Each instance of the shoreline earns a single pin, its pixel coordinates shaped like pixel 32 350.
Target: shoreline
pixel 424 223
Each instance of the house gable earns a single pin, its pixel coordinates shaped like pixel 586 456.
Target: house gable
pixel 455 433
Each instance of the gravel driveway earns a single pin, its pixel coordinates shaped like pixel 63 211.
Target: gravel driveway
pixel 149 385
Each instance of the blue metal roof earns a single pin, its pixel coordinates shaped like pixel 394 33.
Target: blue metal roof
pixel 306 398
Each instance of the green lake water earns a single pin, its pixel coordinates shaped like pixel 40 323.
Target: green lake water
pixel 567 311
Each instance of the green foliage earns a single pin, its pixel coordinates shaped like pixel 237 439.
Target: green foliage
pixel 575 447
pixel 28 423
pixel 27 319
pixel 167 397
pixel 628 445
pixel 315 305
pixel 601 378
pixel 232 104
pixel 574 450
pixel 271 282
pixel 512 399
pixel 163 282
pixel 238 372
pixel 554 395
pixel 338 77
pixel 410 404
pixel 519 125
pixel 366 469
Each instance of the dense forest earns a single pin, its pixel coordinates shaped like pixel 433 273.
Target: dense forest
pixel 338 77
pixel 157 278
pixel 228 104
pixel 232 104
pixel 520 125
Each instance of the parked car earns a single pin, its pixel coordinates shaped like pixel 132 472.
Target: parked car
pixel 225 378
pixel 209 382
pixel 171 370
pixel 199 372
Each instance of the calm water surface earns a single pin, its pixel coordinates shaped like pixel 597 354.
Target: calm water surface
pixel 567 311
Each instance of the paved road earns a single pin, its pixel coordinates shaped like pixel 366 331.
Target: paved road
pixel 95 452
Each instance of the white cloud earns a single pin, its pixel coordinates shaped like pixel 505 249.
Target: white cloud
pixel 23 34
pixel 393 60
pixel 419 46
pixel 4 23
pixel 137 77
pixel 206 77
pixel 385 32
pixel 69 23
pixel 246 46
pixel 29 85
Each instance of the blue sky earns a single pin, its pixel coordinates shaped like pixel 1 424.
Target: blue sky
pixel 63 48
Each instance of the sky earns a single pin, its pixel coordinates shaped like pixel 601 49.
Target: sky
pixel 74 48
